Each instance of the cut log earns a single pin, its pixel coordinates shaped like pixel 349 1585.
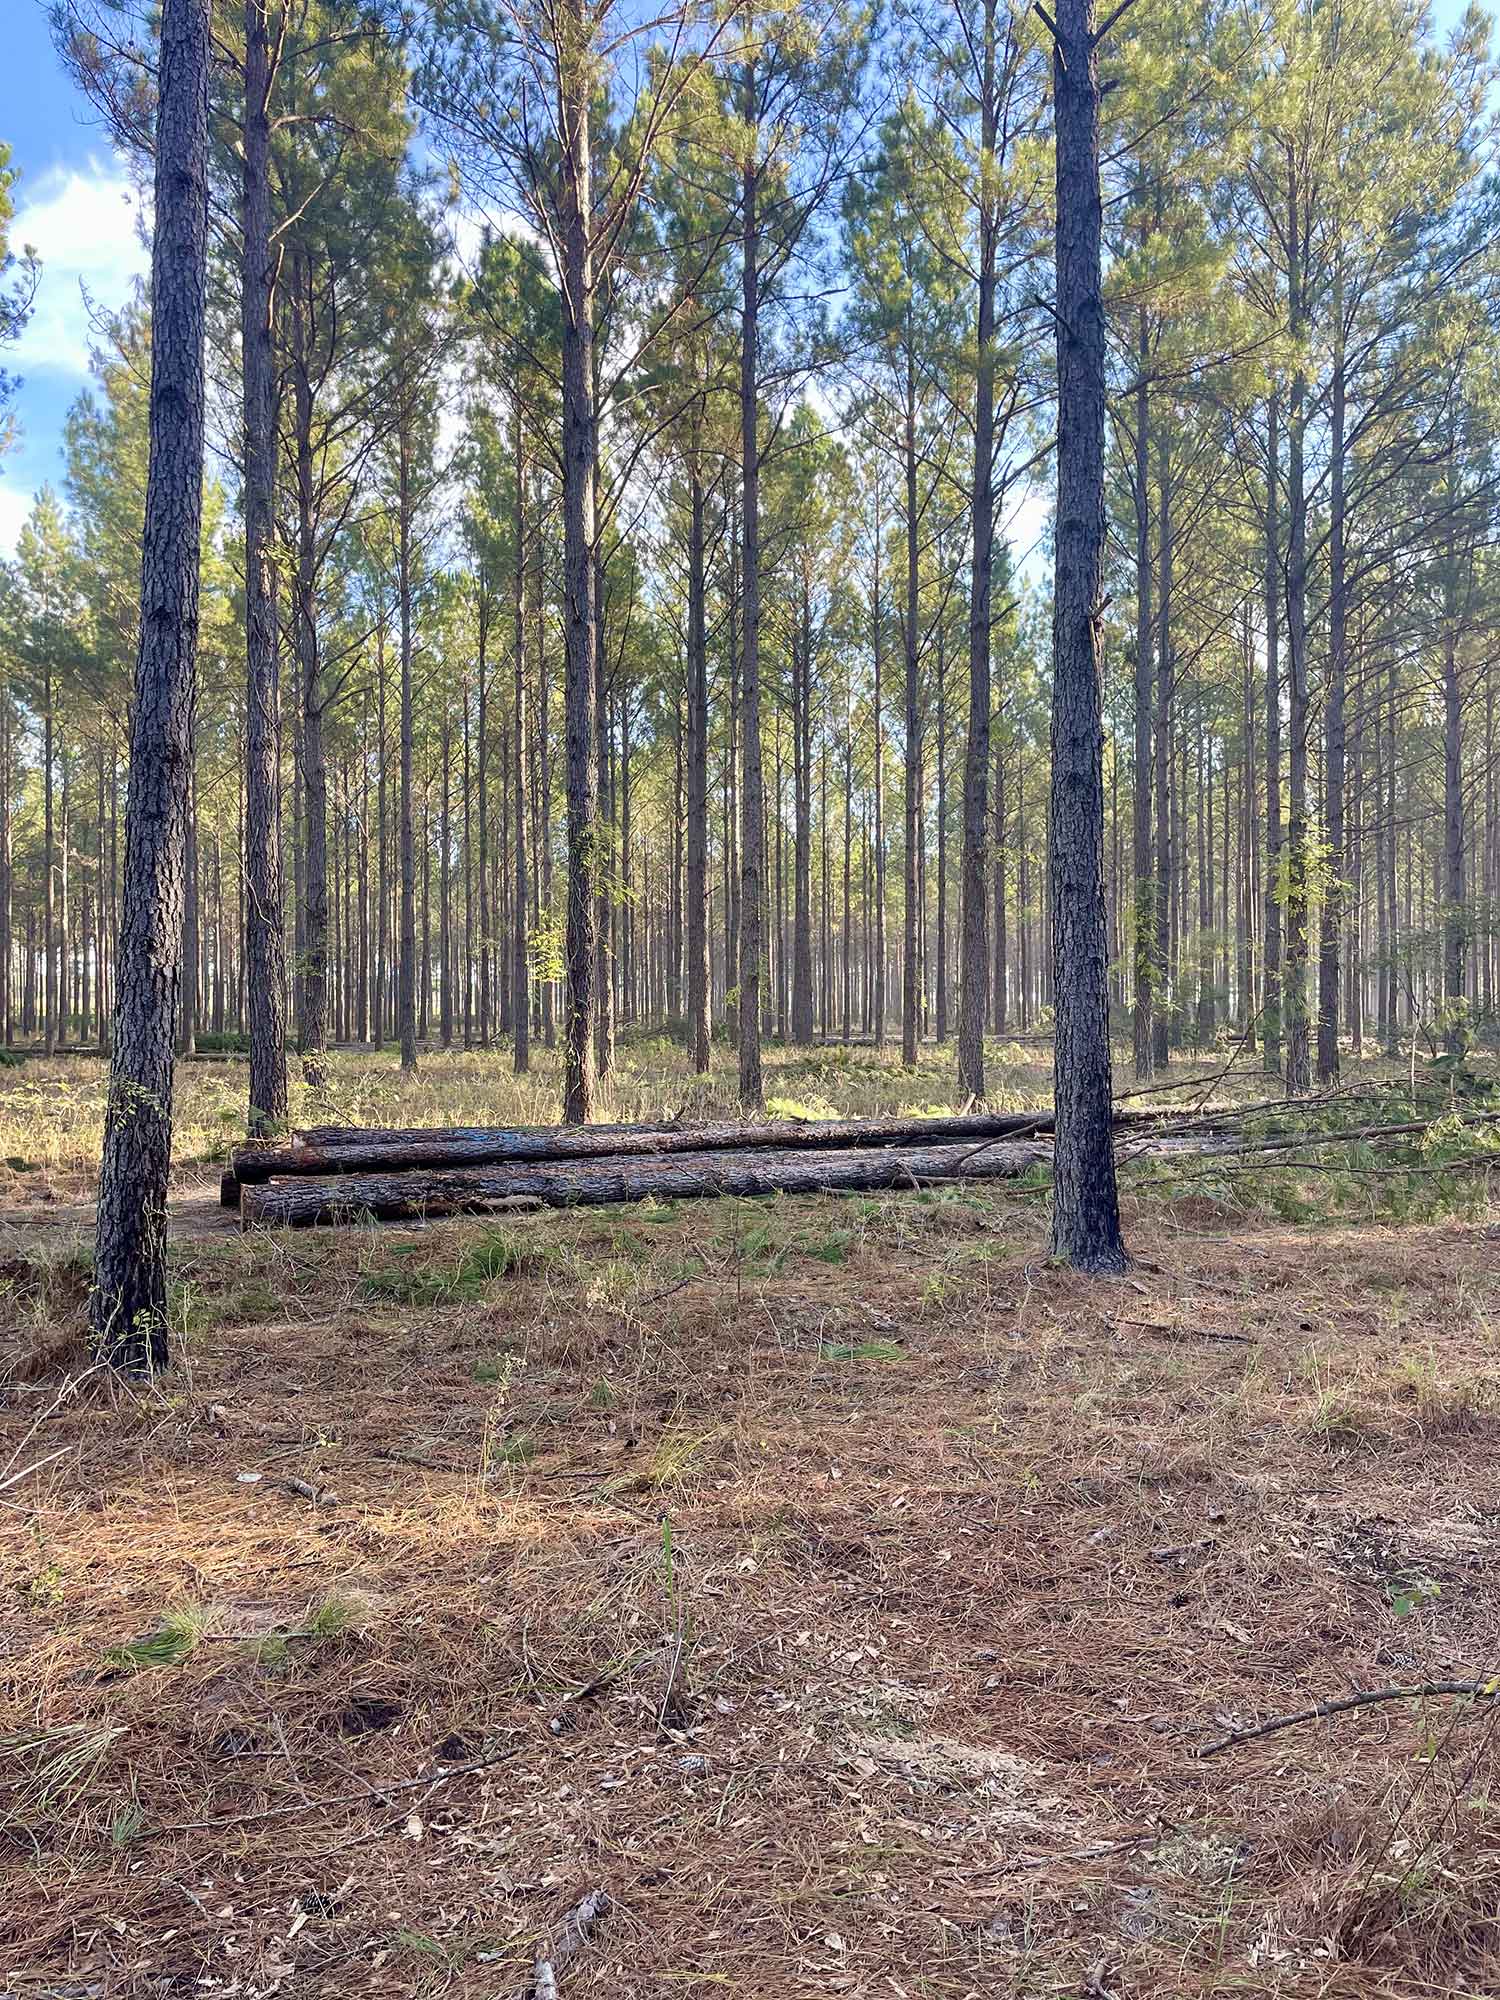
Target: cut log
pixel 334 1149
pixel 592 1183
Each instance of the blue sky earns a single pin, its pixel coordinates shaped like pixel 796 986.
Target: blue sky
pixel 75 203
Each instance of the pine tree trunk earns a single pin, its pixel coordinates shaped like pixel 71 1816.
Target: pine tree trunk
pixel 1331 936
pixel 974 959
pixel 128 1305
pixel 1145 881
pixel 802 971
pixel 265 939
pixel 1162 899
pixel 910 973
pixel 312 1025
pixel 1271 968
pixel 1085 1210
pixel 696 923
pixel 406 969
pixel 1298 1069
pixel 520 971
pixel 1455 1037
pixel 580 449
pixel 752 787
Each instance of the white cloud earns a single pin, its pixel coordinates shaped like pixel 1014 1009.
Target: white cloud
pixel 83 225
pixel 15 505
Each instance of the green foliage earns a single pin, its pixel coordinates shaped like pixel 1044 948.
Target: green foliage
pixel 497 1254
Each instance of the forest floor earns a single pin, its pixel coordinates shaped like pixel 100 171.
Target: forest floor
pixel 836 1583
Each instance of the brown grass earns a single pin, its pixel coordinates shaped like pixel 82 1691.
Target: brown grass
pixel 903 1571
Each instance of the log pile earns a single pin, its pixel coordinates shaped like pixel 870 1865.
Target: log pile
pixel 341 1173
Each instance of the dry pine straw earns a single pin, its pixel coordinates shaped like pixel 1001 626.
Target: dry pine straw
pixel 906 1570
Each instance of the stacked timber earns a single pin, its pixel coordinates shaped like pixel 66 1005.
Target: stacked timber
pixel 341 1173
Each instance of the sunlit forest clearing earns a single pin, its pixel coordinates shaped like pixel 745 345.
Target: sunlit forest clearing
pixel 749 1000
pixel 840 1581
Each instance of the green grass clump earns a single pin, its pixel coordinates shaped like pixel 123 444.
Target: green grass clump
pixel 174 1640
pixel 498 1253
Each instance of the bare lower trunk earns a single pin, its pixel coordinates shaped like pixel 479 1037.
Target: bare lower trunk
pixel 1145 881
pixel 752 800
pixel 1271 995
pixel 910 962
pixel 696 920
pixel 520 1000
pixel 580 448
pixel 265 943
pixel 1085 1208
pixel 128 1305
pixel 406 969
pixel 974 957
pixel 1331 935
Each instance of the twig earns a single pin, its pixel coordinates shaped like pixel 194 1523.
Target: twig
pixel 1029 1861
pixel 431 1779
pixel 1171 1332
pixel 320 1496
pixel 573 1936
pixel 1479 1690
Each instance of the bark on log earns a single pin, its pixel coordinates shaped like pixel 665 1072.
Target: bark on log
pixel 592 1183
pixel 347 1149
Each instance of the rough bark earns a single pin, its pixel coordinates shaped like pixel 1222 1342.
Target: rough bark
pixel 1271 992
pixel 586 1184
pixel 910 961
pixel 752 784
pixel 406 970
pixel 974 957
pixel 520 1001
pixel 1145 880
pixel 128 1305
pixel 1085 1206
pixel 1331 934
pixel 349 1149
pixel 580 452
pixel 696 923
pixel 265 943
pixel 1455 940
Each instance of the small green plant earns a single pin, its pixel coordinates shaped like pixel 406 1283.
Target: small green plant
pixel 174 1640
pixel 47 1772
pixel 45 1590
pixel 677 1452
pixel 864 1350
pixel 1442 1409
pixel 498 1253
pixel 338 1612
pixel 1411 1594
pixel 835 1248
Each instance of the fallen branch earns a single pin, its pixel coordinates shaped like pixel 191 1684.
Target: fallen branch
pixel 1478 1690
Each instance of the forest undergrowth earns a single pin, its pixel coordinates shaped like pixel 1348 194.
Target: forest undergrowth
pixel 841 1586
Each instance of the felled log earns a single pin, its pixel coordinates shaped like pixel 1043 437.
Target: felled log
pixel 624 1178
pixel 335 1149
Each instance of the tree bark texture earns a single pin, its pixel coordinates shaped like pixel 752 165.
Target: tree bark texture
pixel 1085 1205
pixel 128 1306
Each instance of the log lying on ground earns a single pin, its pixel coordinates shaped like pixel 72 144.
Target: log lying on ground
pixel 335 1149
pixel 624 1178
